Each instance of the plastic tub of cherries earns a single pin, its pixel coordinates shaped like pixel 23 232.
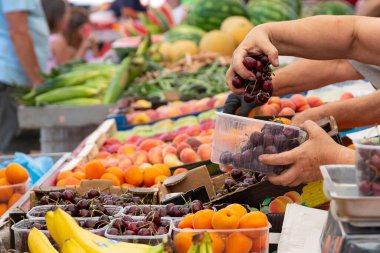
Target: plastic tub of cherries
pixel 151 229
pixel 368 165
pixel 239 141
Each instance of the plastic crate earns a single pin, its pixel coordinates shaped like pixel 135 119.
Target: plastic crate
pixel 239 141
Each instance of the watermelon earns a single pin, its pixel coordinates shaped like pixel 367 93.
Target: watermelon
pixel 263 11
pixel 333 8
pixel 185 32
pixel 209 14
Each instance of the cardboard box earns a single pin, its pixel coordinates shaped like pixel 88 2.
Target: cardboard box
pixel 150 195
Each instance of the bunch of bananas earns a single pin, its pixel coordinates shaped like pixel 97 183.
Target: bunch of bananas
pixel 202 243
pixel 71 238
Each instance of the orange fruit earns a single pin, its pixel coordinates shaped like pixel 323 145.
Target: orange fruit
pixel 13 199
pixel 64 174
pixel 154 186
pixel 117 172
pixel 112 177
pixel 202 219
pixel 239 210
pixel 2 173
pixel 160 179
pixel 3 208
pixel 16 174
pixel 225 219
pixel 150 175
pixel 218 245
pixel 186 222
pixel 164 169
pixel 182 241
pixel 71 181
pixel 61 183
pixel 134 176
pixel 94 169
pixel 179 171
pixel 255 219
pixel 259 242
pixel 238 243
pixel 128 185
pixel 5 190
pixel 79 174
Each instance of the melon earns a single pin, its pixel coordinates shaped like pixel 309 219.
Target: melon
pixel 217 42
pixel 185 32
pixel 181 48
pixel 333 8
pixel 237 27
pixel 263 11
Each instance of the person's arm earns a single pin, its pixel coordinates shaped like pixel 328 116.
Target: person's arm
pixel 347 37
pixel 304 75
pixel 319 149
pixel 23 44
pixel 354 112
pixel 368 8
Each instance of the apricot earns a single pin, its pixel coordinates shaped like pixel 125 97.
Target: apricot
pixel 155 155
pixel 150 175
pixel 127 149
pixel 298 100
pixel 274 100
pixel 277 206
pixel 125 163
pixel 287 112
pixel 103 155
pixel 183 241
pixel 259 242
pixel 314 101
pixel 125 185
pixel 164 169
pixel 148 144
pixel 16 174
pixel 172 160
pixel 294 196
pixel 2 173
pixel 188 155
pixel 303 108
pixel 169 149
pixel 3 208
pixel 204 152
pixel 238 210
pixel 134 176
pixel 117 172
pixel 267 110
pixel 109 176
pixel 5 190
pixel 186 222
pixel 64 174
pixel 287 103
pixel 218 244
pixel 71 181
pixel 140 157
pixel 181 147
pixel 14 198
pixel 79 174
pixel 285 200
pixel 203 219
pixel 94 169
pixel 160 179
pixel 225 219
pixel 61 183
pixel 179 171
pixel 180 138
pixel 238 243
pixel 255 219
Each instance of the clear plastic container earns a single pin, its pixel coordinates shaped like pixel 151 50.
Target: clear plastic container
pixel 368 166
pixel 21 233
pixel 140 211
pixel 38 212
pixel 150 240
pixel 259 237
pixel 239 141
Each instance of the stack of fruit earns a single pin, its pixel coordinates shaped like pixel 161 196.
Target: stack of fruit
pixel 13 184
pixel 232 229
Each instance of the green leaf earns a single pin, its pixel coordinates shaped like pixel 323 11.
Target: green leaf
pixel 267 201
pixel 252 209
pixel 265 208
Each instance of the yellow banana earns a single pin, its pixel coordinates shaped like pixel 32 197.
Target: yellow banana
pixel 49 217
pixel 92 243
pixel 71 246
pixel 39 243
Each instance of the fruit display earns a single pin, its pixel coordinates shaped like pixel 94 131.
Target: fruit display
pixel 184 32
pixel 278 205
pixel 232 229
pixel 263 11
pixel 258 91
pixel 125 228
pixel 209 15
pixel 175 109
pixel 13 184
pixel 169 210
pixel 332 8
pixel 240 141
pixel 368 165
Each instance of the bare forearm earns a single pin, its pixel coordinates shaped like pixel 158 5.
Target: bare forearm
pixel 306 75
pixel 327 38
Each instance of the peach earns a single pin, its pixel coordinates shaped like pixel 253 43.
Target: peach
pixel 267 110
pixel 188 155
pixel 140 157
pixel 346 95
pixel 139 118
pixel 133 139
pixel 171 160
pixel 303 108
pixel 285 199
pixel 314 101
pixel 153 115
pixel 169 149
pixel 179 171
pixel 180 138
pixel 286 112
pixel 102 155
pixel 186 109
pixel 205 139
pixel 145 166
pixel 193 142
pixel 148 144
pixel 277 206
pixel 155 155
pixel 204 152
pixel 276 107
pixel 127 149
pixel 274 100
pixel 181 147
pixel 287 103
pixel 294 196
pixel 125 163
pixel 194 130
pixel 298 100
pixel 111 162
pixel 170 112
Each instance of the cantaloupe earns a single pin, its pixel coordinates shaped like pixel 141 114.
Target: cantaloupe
pixel 237 27
pixel 180 48
pixel 217 41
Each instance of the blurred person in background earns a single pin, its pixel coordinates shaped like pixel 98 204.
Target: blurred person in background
pixel 127 8
pixel 24 54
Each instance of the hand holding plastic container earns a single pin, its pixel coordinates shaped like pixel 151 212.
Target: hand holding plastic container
pixel 239 141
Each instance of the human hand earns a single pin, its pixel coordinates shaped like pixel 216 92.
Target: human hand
pixel 313 114
pixel 234 102
pixel 256 42
pixel 319 149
